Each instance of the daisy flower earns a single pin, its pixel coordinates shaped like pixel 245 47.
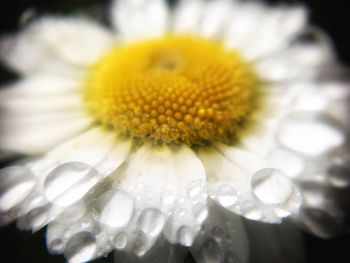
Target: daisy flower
pixel 172 126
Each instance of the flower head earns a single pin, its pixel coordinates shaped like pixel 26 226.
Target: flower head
pixel 153 133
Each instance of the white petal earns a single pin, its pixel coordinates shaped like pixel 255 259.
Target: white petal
pixel 164 169
pixel 118 210
pixel 36 104
pixel 54 44
pixel 188 166
pixel 16 184
pixel 245 23
pixel 310 134
pixel 41 85
pixel 187 15
pixel 151 166
pixel 276 31
pixel 258 31
pixel 137 19
pixel 90 148
pixel 68 183
pixel 215 18
pixel 32 139
pixel 115 157
pixel 302 61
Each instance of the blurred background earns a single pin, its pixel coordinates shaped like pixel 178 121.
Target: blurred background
pixel 21 246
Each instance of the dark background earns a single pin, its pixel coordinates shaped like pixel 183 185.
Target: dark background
pixel 331 16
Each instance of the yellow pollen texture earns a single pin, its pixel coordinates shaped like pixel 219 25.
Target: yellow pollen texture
pixel 175 89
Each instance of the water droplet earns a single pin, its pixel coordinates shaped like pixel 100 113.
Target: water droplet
pixel 151 221
pixel 210 252
pixel 217 233
pixel 200 212
pixel 121 240
pixel 56 246
pixel 140 247
pixel 117 211
pixel 168 199
pixel 195 188
pixel 181 212
pixel 226 195
pixel 81 247
pixel 271 186
pixel 69 182
pixel 306 133
pixel 16 184
pixel 253 214
pixel 85 224
pixel 185 236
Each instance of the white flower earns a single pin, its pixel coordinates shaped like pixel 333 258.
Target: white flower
pixel 155 133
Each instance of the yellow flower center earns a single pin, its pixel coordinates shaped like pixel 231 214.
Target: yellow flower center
pixel 175 89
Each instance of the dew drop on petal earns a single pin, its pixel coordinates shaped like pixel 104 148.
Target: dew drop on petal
pixel 181 212
pixel 195 188
pixel 210 252
pixel 69 182
pixel 121 240
pixel 185 236
pixel 226 195
pixel 310 136
pixel 253 214
pixel 140 247
pixel 151 221
pixel 56 246
pixel 200 212
pixel 81 247
pixel 118 210
pixel 168 199
pixel 271 187
pixel 16 183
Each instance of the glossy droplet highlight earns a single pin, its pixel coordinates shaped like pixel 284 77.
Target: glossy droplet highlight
pixel 80 248
pixel 271 186
pixel 56 246
pixel 196 188
pixel 117 210
pixel 121 240
pixel 185 236
pixel 151 221
pixel 226 195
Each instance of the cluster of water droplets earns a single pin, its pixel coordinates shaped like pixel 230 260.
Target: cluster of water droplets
pixel 268 195
pixel 312 149
pixel 89 215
